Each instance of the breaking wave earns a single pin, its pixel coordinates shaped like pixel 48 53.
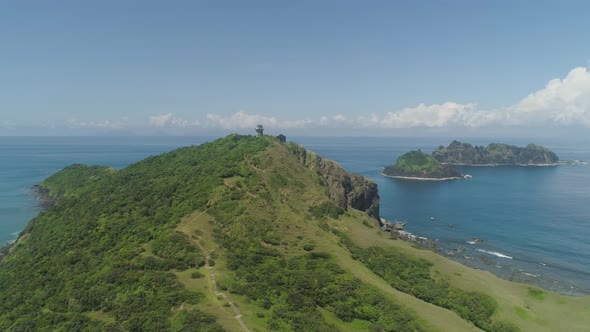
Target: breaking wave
pixel 497 254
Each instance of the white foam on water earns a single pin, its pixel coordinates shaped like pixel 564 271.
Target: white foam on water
pixel 497 254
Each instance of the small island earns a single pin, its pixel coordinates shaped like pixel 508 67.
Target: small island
pixel 417 165
pixel 495 154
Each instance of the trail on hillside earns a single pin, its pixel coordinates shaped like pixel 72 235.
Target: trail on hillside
pixel 211 269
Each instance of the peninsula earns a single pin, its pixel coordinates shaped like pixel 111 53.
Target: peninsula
pixel 245 234
pixel 417 165
pixel 495 154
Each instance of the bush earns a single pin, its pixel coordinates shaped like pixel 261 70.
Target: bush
pixel 326 210
pixel 308 247
pixel 412 275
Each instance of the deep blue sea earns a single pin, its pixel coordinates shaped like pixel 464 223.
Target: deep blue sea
pixel 534 221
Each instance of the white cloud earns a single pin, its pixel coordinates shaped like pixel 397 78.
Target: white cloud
pixel 169 120
pixel 562 102
pixel 106 124
pixel 344 121
pixel 243 120
pixel 340 118
pixel 435 115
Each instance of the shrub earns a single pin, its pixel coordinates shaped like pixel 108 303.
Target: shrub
pixel 308 247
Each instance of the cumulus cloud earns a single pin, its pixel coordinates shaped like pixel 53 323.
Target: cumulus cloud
pixel 169 120
pixel 562 102
pixel 242 120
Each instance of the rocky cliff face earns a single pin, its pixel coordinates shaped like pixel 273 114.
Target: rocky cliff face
pixel 346 189
pixel 494 154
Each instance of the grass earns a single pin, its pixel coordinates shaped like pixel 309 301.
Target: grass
pixel 355 325
pixel 522 312
pixel 548 311
pixel 536 293
pixel 101 316
pixel 293 233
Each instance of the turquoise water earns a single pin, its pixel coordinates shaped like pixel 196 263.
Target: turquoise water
pixel 537 216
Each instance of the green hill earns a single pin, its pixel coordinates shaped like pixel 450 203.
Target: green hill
pixel 417 164
pixel 244 233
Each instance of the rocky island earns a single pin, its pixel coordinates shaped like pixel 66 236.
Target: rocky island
pixel 495 154
pixel 417 165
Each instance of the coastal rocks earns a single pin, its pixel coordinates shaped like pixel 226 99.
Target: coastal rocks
pixel 347 190
pixel 4 251
pixel 396 230
pixel 44 199
pixel 459 153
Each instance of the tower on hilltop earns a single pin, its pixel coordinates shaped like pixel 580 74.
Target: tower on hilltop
pixel 259 130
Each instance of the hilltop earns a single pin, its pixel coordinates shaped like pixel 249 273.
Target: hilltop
pixel 419 165
pixel 494 154
pixel 244 234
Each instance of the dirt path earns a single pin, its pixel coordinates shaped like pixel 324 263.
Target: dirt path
pixel 211 269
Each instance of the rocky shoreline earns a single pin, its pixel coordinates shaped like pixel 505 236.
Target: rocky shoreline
pixel 559 163
pixel 44 199
pixel 426 179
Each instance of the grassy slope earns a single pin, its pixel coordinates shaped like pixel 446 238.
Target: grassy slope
pixel 554 312
pixel 298 231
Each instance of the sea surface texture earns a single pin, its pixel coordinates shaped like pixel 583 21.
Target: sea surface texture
pixel 528 224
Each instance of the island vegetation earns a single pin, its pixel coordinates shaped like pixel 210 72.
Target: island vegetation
pixel 244 232
pixel 420 166
pixel 458 153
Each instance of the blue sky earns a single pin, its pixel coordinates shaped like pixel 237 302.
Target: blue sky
pixel 307 67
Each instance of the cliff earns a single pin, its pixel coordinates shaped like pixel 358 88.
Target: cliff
pixel 416 164
pixel 344 188
pixel 494 154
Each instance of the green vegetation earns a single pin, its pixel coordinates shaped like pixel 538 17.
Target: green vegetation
pixel 494 154
pixel 294 289
pixel 417 161
pixel 419 164
pixel 536 293
pixel 521 312
pixel 72 180
pixel 290 237
pixel 86 253
pixel 412 275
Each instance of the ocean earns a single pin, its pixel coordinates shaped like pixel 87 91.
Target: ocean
pixel 533 222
